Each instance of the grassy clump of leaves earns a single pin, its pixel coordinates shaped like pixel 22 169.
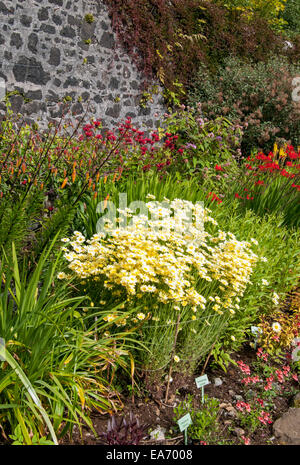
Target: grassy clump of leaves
pixel 57 366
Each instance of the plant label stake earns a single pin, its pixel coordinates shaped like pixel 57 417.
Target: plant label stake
pixel 183 423
pixel 256 331
pixel 202 381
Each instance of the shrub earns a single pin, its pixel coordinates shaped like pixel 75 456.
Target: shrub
pixel 270 10
pixel 204 427
pixel 160 34
pixel 167 265
pixel 291 15
pixel 55 368
pixel 196 336
pixel 264 183
pixel 278 273
pixel 43 175
pixel 271 184
pixel 278 331
pixel 256 96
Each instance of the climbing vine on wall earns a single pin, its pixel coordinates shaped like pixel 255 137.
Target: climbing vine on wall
pixel 169 39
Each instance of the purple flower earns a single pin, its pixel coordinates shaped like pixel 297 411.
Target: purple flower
pixel 192 146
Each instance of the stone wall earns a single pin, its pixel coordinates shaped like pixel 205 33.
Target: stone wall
pixel 56 56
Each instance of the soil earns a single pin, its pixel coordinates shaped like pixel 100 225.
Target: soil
pixel 151 410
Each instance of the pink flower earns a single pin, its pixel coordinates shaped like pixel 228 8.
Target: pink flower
pixel 246 440
pixel 265 418
pixel 243 405
pixel 269 383
pixel 244 368
pixel 246 380
pixel 261 354
pixel 280 376
pixel 286 369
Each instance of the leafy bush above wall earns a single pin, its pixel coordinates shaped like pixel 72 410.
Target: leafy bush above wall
pixel 159 35
pixel 258 96
pixel 291 15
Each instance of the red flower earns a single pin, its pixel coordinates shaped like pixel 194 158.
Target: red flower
pixel 218 168
pixel 261 354
pixel 244 368
pixel 214 197
pixel 265 418
pixel 243 405
pixel 246 440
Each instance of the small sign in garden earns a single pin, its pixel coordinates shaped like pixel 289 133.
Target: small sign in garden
pixel 202 381
pixel 256 331
pixel 183 423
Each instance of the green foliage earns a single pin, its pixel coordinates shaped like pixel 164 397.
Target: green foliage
pixel 291 15
pixel 55 363
pixel 18 439
pixel 204 142
pixel 256 96
pixel 205 426
pixel 89 18
pixel 270 10
pixel 281 248
pixel 270 190
pixel 188 32
pixel 221 357
pixel 277 244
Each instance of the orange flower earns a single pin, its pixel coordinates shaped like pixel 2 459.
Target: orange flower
pixel 74 175
pixel 64 183
pixel 105 201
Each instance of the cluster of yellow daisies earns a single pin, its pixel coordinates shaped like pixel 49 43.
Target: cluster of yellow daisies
pixel 168 255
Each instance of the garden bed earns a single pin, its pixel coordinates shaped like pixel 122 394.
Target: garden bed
pixel 150 408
